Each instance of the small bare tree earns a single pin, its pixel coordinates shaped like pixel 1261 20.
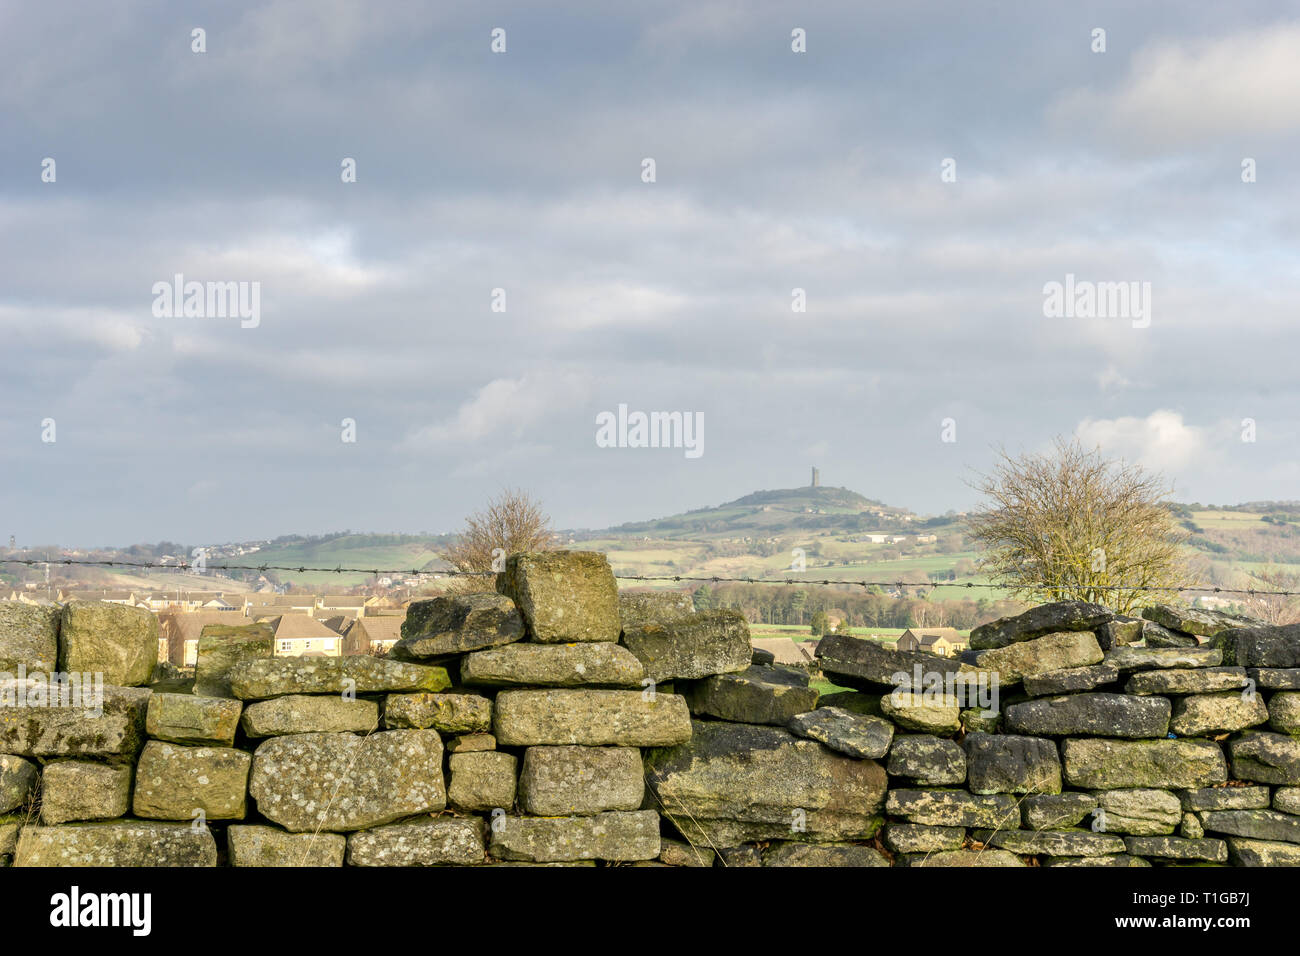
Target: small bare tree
pixel 1274 608
pixel 1071 525
pixel 512 522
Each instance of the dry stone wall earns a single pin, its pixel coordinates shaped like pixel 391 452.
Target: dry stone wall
pixel 557 722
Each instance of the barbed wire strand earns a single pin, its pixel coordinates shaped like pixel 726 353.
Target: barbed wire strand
pixel 677 578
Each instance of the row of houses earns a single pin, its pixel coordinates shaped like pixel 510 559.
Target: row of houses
pixel 296 634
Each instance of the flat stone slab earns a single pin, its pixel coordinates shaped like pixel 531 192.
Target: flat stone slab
pixel 1266 758
pixel 1286 799
pixel 1254 824
pixel 132 843
pixel 306 714
pixel 1052 842
pixel 961 858
pixel 19 779
pixel 593 718
pixel 1070 680
pixel 1225 798
pixel 358 674
pixel 866 665
pixel 29 637
pixel 588 664
pixel 443 842
pixel 113 730
pixel 1269 647
pixel 953 808
pixel 677 853
pixel 654 607
pixel 1177 848
pixel 916 838
pixel 1203 680
pixel 1037 621
pixel 761 694
pixel 1275 678
pixel 482 781
pixel 1244 852
pixel 471 743
pixel 922 712
pixel 1062 811
pixel 1201 715
pixel 116 640
pixel 867 738
pixel 1116 860
pixel 190 719
pixel 1153 658
pixel 456 624
pixel 580 781
pixel 344 782
pixel 927 760
pixel 268 846
pixel 75 790
pixel 1284 713
pixel 1099 764
pixel 1011 764
pixel 1095 714
pixel 564 596
pixel 1193 620
pixel 1139 811
pixel 173 782
pixel 448 713
pixel 738 783
pixel 822 854
pixel 701 645
pixel 616 835
pixel 1041 655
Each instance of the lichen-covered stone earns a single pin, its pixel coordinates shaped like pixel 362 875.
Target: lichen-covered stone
pixel 654 607
pixel 677 853
pixel 961 858
pixel 1040 655
pixel 74 790
pixel 1108 715
pixel 442 842
pixel 761 694
pixel 927 760
pixel 1141 812
pixel 344 782
pixel 915 838
pixel 1225 798
pixel 113 730
pixel 29 637
pixel 1200 680
pixel 1266 758
pixel 1070 680
pixel 867 738
pixel 1044 619
pixel 482 781
pixel 1208 714
pixel 268 846
pixel 689 648
pixel 190 719
pixel 953 808
pixel 564 596
pixel 130 843
pixel 448 713
pixel 1114 860
pixel 1284 713
pixel 18 780
pixel 1244 852
pixel 1271 647
pixel 1154 635
pixel 866 665
pixel 116 640
pixel 587 664
pixel 1275 678
pixel 1190 828
pixel 1011 764
pixel 1193 620
pixel 1255 824
pixel 1287 800
pixel 579 781
pixel 1151 658
pixel 922 712
pixel 1051 842
pixel 593 718
pixel 359 674
pixel 471 743
pixel 617 835
pixel 1097 764
pixel 221 647
pixel 305 714
pixel 737 783
pixel 455 624
pixel 1178 848
pixel 173 782
pixel 822 854
pixel 1059 811
pixel 1119 631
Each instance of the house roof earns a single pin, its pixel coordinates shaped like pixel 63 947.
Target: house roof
pixel 928 635
pixel 385 628
pixel 299 626
pixel 343 600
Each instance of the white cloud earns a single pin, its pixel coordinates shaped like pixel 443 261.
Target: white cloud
pixel 1161 441
pixel 504 406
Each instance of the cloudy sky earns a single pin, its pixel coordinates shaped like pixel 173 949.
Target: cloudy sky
pixel 523 171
